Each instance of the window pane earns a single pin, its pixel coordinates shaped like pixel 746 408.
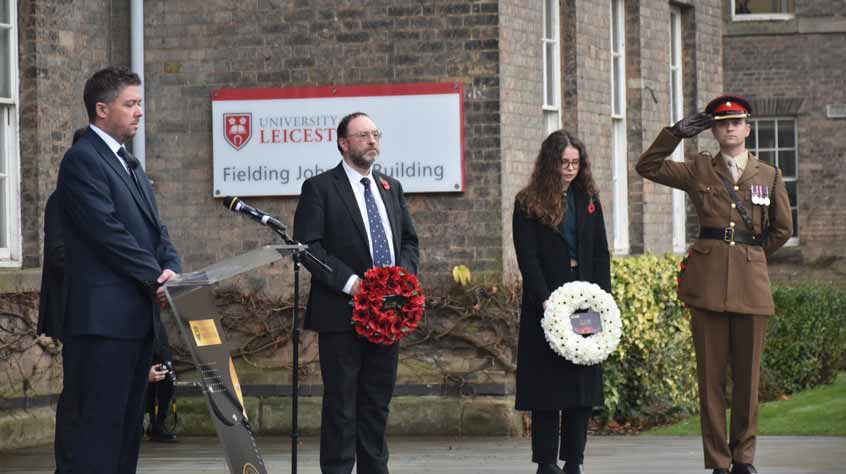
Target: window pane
pixel 750 140
pixel 4 11
pixel 786 134
pixel 3 150
pixel 791 192
pixel 3 218
pixel 795 223
pixel 766 134
pixel 768 156
pixel 616 86
pixel 615 25
pixel 550 74
pixel 5 74
pixel 787 163
pixel 674 45
pixel 742 7
pixel 549 12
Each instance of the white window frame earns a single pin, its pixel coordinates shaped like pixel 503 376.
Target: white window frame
pixel 10 254
pixel 753 122
pixel 761 16
pixel 619 143
pixel 676 114
pixel 551 40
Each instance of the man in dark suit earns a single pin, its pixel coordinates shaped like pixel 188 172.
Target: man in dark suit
pixel 117 256
pixel 51 307
pixel 353 218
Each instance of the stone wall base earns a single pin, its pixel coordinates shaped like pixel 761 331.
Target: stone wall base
pixel 410 415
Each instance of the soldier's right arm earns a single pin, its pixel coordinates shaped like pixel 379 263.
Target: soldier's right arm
pixel 654 166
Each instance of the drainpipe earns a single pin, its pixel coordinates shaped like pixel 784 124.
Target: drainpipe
pixel 136 46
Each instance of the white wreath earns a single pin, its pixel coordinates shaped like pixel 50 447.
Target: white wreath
pixel 579 349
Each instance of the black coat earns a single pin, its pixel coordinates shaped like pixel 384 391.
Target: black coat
pixel 545 380
pixel 51 314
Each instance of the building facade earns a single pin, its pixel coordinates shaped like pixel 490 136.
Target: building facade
pixel 785 57
pixel 612 71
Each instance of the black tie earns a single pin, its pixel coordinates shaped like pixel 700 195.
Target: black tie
pixel 131 164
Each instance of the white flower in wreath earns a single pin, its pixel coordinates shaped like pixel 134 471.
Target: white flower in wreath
pixel 558 329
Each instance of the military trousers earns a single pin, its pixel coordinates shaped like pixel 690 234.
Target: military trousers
pixel 724 340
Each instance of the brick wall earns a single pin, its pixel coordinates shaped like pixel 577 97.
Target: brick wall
pixel 805 69
pixel 587 94
pixel 60 44
pixel 587 87
pixel 521 97
pixel 194 46
pixel 651 205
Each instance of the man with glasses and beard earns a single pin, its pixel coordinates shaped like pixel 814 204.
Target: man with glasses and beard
pixel 353 218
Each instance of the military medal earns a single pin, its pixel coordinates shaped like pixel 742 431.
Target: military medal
pixel 766 195
pixel 756 195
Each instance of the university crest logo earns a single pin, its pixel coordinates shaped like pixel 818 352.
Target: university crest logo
pixel 237 129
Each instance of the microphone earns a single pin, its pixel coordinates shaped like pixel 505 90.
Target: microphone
pixel 237 205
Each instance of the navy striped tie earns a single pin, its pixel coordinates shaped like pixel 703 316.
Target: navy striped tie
pixel 381 251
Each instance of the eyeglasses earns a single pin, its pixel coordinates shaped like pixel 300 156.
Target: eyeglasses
pixel 570 164
pixel 377 135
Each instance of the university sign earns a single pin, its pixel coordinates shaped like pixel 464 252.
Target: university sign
pixel 266 142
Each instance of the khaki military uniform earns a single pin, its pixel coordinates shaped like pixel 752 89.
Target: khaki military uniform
pixel 727 287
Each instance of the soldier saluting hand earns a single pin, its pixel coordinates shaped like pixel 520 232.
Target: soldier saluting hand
pixel 744 216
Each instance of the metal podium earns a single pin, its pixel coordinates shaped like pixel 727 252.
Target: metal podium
pixel 192 301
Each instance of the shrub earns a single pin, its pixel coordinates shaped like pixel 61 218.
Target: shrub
pixel 651 378
pixel 806 339
pixel 652 375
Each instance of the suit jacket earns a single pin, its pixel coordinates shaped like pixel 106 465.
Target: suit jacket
pixel 328 220
pixel 115 244
pixel 545 380
pixel 720 276
pixel 51 304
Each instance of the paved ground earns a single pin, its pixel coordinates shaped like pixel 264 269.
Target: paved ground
pixel 605 455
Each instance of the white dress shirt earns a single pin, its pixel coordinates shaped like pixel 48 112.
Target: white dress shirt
pixel 358 191
pixel 111 143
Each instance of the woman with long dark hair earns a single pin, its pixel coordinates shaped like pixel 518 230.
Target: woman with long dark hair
pixel 559 236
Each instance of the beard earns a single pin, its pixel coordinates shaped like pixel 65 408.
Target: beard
pixel 362 160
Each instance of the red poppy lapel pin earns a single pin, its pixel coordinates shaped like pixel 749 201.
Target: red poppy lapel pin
pixel 591 207
pixel 385 184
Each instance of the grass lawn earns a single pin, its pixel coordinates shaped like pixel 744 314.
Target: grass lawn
pixel 820 411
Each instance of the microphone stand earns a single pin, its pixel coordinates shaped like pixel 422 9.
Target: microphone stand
pixel 295 382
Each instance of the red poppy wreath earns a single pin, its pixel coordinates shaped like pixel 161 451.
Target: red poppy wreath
pixel 389 306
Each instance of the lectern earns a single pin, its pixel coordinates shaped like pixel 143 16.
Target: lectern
pixel 192 301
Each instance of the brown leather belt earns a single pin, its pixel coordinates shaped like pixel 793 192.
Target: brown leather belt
pixel 731 234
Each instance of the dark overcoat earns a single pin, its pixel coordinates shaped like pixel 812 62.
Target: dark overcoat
pixel 545 380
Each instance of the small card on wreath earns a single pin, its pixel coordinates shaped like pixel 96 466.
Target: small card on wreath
pixel 586 322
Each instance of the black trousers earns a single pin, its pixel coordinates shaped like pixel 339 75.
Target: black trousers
pixel 66 419
pixel 105 381
pixel 358 382
pixel 546 426
pixel 159 395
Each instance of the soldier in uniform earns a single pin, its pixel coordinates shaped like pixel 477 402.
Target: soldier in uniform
pixel 744 216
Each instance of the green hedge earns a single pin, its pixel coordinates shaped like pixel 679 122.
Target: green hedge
pixel 806 339
pixel 651 378
pixel 652 375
